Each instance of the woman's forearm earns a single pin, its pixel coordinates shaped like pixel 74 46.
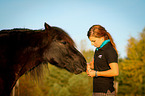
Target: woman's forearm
pixel 108 73
pixel 114 71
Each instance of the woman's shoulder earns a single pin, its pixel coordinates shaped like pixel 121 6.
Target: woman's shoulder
pixel 109 49
pixel 111 54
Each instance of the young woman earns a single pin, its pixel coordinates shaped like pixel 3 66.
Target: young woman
pixel 104 66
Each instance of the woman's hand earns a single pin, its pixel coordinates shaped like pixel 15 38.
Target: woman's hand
pixel 91 73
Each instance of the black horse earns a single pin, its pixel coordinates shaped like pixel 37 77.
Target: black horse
pixel 22 50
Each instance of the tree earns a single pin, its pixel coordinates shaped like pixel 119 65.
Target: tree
pixel 132 74
pixel 54 90
pixel 64 92
pixel 89 55
pixel 80 85
pixel 83 45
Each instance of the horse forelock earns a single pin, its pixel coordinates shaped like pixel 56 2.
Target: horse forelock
pixel 64 35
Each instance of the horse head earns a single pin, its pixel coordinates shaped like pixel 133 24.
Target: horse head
pixel 62 53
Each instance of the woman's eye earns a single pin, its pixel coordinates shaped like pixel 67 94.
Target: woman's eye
pixel 92 41
pixel 63 42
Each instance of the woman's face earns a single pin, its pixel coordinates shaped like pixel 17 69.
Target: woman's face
pixel 96 41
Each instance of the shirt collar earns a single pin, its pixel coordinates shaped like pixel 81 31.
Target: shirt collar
pixel 103 44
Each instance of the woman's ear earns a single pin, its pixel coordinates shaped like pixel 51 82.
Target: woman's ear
pixel 103 38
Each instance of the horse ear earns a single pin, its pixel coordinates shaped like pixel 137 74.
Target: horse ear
pixel 47 27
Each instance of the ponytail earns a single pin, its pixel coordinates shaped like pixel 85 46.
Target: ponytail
pixel 111 40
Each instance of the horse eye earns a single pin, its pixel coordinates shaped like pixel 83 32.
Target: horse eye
pixel 63 42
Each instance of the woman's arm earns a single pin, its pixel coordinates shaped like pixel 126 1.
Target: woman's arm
pixel 114 71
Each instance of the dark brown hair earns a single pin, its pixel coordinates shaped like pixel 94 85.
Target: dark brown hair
pixel 99 31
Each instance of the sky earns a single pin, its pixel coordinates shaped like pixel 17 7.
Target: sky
pixel 121 18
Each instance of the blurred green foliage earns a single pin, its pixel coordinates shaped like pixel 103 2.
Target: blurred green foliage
pixel 132 68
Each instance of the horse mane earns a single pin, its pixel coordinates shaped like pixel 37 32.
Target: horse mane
pixel 60 33
pixel 18 30
pixel 64 35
